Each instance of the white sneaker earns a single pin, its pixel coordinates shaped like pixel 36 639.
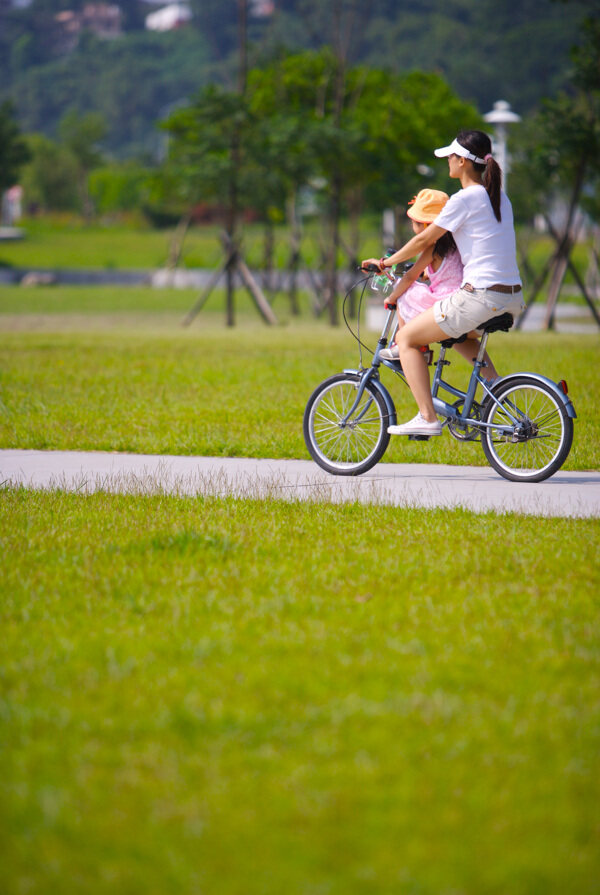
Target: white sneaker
pixel 417 426
pixel 392 353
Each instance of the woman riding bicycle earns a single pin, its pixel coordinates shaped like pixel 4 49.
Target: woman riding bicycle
pixel 480 218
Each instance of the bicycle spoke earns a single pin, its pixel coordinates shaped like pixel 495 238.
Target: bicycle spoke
pixel 530 448
pixel 343 441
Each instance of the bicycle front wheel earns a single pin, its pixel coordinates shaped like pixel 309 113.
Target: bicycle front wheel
pixel 340 444
pixel 531 432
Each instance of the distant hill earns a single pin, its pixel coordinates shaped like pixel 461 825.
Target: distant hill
pixel 486 50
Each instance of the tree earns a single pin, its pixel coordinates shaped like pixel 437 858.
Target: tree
pixel 210 153
pixel 282 161
pixel 216 19
pixel 337 140
pixel 365 144
pixel 13 148
pixel 566 159
pixel 119 187
pixel 49 179
pixel 363 139
pixel 81 135
pixel 131 81
pixel 294 101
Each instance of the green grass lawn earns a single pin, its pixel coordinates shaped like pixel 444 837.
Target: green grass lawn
pixel 123 375
pixel 94 300
pixel 59 307
pixel 55 243
pixel 256 698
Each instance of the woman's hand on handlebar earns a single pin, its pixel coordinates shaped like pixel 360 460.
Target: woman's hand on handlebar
pixel 373 265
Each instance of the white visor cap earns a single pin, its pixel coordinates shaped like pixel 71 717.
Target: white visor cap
pixel 456 149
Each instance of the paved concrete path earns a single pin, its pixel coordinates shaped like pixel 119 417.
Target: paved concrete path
pixel 400 484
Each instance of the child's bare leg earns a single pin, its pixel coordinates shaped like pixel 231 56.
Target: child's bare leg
pixel 401 323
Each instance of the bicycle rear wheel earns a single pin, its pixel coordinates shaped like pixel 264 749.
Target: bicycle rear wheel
pixel 539 444
pixel 346 446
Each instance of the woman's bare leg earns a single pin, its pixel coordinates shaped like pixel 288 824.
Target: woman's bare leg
pixel 419 331
pixel 469 348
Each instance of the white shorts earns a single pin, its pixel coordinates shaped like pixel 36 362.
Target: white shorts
pixel 466 310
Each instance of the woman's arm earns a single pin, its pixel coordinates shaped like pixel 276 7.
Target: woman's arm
pixel 414 246
pixel 412 275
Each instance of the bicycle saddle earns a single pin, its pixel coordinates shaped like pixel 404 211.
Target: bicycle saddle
pixel 502 322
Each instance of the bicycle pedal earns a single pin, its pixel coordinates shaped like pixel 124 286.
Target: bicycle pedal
pixel 419 437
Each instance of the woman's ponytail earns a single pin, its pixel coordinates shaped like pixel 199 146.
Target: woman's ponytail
pixel 492 181
pixel 480 145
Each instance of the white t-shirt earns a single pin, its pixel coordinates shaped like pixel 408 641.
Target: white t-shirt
pixel 487 246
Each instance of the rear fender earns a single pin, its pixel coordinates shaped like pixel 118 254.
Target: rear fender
pixel 503 380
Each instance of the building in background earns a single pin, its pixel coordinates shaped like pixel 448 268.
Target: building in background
pixel 170 17
pixel 261 9
pixel 12 206
pixel 102 19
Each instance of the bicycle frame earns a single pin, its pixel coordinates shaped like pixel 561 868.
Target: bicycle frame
pixel 524 421
pixel 442 408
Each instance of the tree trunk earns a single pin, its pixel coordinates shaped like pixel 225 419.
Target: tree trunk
pixel 178 239
pixel 268 253
pixel 294 262
pixel 334 245
pixel 565 246
pixel 233 210
pixel 86 200
pixel 231 232
pixel 340 50
pixel 355 209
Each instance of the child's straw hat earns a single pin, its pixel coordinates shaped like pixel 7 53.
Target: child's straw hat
pixel 426 205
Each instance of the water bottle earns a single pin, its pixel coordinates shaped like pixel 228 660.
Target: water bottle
pixel 382 282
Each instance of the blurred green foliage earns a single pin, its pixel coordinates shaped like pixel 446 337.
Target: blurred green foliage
pixel 482 49
pixel 13 148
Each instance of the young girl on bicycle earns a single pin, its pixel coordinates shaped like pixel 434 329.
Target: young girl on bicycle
pixel 440 263
pixel 480 218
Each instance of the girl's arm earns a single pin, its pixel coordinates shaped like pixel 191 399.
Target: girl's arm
pixel 413 247
pixel 412 275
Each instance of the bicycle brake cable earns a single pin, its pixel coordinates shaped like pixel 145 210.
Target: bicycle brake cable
pixel 356 335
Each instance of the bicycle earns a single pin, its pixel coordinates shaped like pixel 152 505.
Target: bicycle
pixel 524 420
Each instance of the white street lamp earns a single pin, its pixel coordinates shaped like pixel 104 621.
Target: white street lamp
pixel 501 116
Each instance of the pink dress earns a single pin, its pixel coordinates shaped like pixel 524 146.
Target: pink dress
pixel 443 282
